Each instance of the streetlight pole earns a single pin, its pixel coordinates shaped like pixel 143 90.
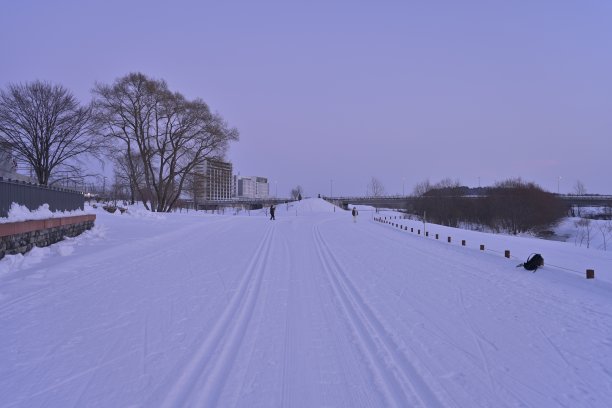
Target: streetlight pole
pixel 331 192
pixel 403 187
pixel 558 184
pixel 276 192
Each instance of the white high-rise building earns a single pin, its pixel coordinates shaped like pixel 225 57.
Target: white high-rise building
pixel 252 187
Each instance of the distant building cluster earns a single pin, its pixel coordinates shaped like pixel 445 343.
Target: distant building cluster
pixel 8 165
pixel 214 180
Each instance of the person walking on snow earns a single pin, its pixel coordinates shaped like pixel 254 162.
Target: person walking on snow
pixel 355 214
pixel 272 209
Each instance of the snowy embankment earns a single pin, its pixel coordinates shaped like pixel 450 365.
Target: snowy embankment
pixel 309 310
pixel 568 257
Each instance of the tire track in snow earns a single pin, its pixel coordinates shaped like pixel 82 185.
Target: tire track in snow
pixel 396 375
pixel 207 370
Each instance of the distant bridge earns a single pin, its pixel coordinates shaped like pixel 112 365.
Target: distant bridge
pixel 247 203
pixel 395 202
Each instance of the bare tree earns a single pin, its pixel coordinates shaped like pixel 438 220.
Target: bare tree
pixel 126 176
pixel 169 134
pixel 584 233
pixel 194 184
pixel 45 126
pixel 421 188
pixel 579 190
pixel 375 187
pixel 296 193
pixel 605 228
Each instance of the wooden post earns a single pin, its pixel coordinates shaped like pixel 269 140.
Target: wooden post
pixel 437 236
pixel 507 253
pixel 463 242
pixel 419 232
pixel 449 240
pixel 426 233
pixel 481 247
pixel 590 273
pixel 411 229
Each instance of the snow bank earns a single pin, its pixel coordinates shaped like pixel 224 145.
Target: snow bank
pixel 14 263
pixel 22 213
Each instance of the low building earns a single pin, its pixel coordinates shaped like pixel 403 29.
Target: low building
pixel 252 187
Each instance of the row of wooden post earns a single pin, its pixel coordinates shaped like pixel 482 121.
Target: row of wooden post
pixel 590 273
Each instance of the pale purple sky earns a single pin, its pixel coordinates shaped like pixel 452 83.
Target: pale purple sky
pixel 346 90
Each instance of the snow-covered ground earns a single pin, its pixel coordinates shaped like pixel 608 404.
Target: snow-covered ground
pixel 199 310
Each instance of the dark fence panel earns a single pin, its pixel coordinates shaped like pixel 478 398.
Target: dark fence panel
pixel 33 196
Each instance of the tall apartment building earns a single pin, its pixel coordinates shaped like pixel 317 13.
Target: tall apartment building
pixel 252 187
pixel 214 180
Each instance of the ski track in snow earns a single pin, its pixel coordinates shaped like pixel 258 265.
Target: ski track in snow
pixel 393 372
pixel 208 368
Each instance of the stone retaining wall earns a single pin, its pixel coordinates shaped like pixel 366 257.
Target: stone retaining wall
pixel 20 237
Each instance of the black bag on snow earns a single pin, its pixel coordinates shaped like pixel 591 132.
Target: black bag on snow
pixel 533 262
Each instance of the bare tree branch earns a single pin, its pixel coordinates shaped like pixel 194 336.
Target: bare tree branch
pixel 45 126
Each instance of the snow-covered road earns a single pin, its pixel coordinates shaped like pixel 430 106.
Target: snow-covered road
pixel 311 310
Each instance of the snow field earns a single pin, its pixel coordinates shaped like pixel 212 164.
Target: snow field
pixel 308 310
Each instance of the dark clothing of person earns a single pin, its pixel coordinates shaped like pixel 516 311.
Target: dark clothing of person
pixel 272 209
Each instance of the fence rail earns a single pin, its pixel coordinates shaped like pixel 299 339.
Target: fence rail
pixel 34 195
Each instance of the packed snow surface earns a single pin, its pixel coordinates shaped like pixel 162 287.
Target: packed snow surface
pixel 310 310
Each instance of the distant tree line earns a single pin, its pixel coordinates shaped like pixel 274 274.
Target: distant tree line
pixel 512 206
pixel 155 137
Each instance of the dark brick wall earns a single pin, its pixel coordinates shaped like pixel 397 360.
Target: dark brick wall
pixel 20 237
